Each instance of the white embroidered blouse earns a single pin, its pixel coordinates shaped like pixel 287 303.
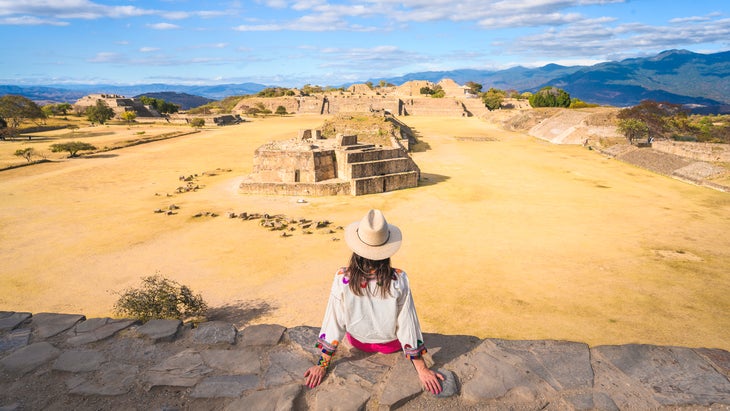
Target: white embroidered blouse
pixel 371 318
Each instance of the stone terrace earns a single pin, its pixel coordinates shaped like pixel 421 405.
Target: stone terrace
pixel 66 361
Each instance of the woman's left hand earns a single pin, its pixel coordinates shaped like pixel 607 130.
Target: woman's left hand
pixel 430 380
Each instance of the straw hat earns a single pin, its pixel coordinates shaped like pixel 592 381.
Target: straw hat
pixel 372 237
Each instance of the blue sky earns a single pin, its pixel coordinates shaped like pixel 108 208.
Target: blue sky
pixel 328 42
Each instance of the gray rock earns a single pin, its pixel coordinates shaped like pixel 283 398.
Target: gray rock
pixel 233 361
pixel 96 329
pixel 184 369
pixel 364 371
pixel 401 385
pixel 47 325
pixel 160 330
pixel 115 379
pixel 215 332
pixel 227 386
pixel 719 358
pixel 30 357
pixel 336 397
pixel 676 376
pixel 449 385
pixel 276 399
pixel 286 366
pixel 263 334
pixel 14 339
pixel 305 337
pixel 79 361
pixel 10 319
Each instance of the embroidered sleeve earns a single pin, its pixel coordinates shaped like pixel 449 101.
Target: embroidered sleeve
pixel 333 324
pixel 409 329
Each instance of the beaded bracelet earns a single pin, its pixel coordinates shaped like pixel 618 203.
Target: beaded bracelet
pixel 323 363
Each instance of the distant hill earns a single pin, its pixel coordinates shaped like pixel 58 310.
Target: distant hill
pixel 184 100
pixel 676 76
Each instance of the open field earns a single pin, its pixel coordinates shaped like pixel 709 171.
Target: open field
pixel 508 236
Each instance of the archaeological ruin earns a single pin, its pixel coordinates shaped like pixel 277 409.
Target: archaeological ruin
pixel 310 165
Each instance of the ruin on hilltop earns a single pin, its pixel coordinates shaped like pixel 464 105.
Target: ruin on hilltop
pixel 118 103
pixel 310 165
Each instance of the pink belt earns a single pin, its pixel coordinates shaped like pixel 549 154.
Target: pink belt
pixel 385 348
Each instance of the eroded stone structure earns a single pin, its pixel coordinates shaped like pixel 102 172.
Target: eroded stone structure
pixel 312 166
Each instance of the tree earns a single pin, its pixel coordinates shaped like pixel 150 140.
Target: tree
pixel 63 108
pixel 280 110
pixel 550 97
pixel 99 113
pixel 475 88
pixel 15 109
pixel 26 153
pixel 655 115
pixel 197 122
pixel 49 110
pixel 160 298
pixel 633 129
pixel 129 116
pixel 72 147
pixel 159 105
pixel 493 98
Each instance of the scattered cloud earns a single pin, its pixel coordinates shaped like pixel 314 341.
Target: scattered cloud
pixel 163 26
pixel 148 49
pixel 30 21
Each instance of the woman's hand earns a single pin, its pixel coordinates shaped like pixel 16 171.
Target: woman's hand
pixel 430 380
pixel 314 376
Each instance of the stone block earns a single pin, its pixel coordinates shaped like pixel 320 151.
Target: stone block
pixel 79 361
pixel 30 357
pixel 401 385
pixel 233 361
pixel 96 329
pixel 160 330
pixel 184 369
pixel 275 399
pixel 47 325
pixel 14 339
pixel 225 386
pixel 285 367
pixel 113 380
pixel 262 334
pixel 215 332
pixel 10 319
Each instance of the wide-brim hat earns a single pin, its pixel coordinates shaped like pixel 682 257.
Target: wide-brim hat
pixel 372 237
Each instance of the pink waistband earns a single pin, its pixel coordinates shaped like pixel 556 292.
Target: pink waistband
pixel 385 348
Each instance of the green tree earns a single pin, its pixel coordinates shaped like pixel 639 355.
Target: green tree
pixel 72 147
pixel 49 110
pixel 280 110
pixel 63 108
pixel 633 129
pixel 160 298
pixel 159 105
pixel 16 109
pixel 197 122
pixel 493 98
pixel 475 88
pixel 550 97
pixel 99 113
pixel 26 153
pixel 654 114
pixel 129 116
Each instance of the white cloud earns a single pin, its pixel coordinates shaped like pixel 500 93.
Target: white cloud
pixel 163 26
pixel 30 21
pixel 148 49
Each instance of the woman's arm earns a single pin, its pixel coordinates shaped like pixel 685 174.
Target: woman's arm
pixel 315 374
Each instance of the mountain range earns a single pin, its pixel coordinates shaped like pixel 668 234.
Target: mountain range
pixel 675 76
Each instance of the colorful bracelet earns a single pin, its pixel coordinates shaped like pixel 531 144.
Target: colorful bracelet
pixel 323 363
pixel 414 353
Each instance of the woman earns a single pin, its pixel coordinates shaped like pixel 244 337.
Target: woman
pixel 370 303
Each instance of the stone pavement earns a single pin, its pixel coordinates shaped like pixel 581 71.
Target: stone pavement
pixel 65 361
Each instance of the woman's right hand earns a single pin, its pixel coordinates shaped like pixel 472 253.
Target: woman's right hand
pixel 314 376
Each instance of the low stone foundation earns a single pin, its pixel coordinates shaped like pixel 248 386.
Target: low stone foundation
pixel 70 362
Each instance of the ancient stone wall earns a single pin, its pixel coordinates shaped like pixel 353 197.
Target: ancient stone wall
pixel 333 188
pixel 382 184
pixel 427 106
pixel 697 151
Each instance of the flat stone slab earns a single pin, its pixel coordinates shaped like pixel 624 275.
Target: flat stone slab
pixel 279 398
pixel 262 334
pixel 675 376
pixel 402 384
pixel 215 332
pixel 184 369
pixel 233 361
pixel 79 361
pixel 160 330
pixel 30 357
pixel 46 325
pixel 225 386
pixel 115 379
pixel 286 366
pixel 96 329
pixel 347 396
pixel 10 319
pixel 14 339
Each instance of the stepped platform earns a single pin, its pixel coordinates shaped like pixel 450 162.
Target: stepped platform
pixel 54 361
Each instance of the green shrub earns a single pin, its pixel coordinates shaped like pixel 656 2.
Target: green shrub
pixel 160 298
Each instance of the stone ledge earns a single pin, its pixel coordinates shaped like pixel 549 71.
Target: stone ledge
pixel 216 366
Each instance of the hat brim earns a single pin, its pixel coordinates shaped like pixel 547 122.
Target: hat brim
pixel 370 252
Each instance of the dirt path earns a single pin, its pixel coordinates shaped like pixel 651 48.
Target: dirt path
pixel 508 236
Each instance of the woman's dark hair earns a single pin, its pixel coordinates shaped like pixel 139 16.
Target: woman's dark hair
pixel 361 270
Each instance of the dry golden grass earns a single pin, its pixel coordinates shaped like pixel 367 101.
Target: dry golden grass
pixel 507 236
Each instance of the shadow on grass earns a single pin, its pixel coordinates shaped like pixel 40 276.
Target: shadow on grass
pixel 100 156
pixel 428 179
pixel 239 313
